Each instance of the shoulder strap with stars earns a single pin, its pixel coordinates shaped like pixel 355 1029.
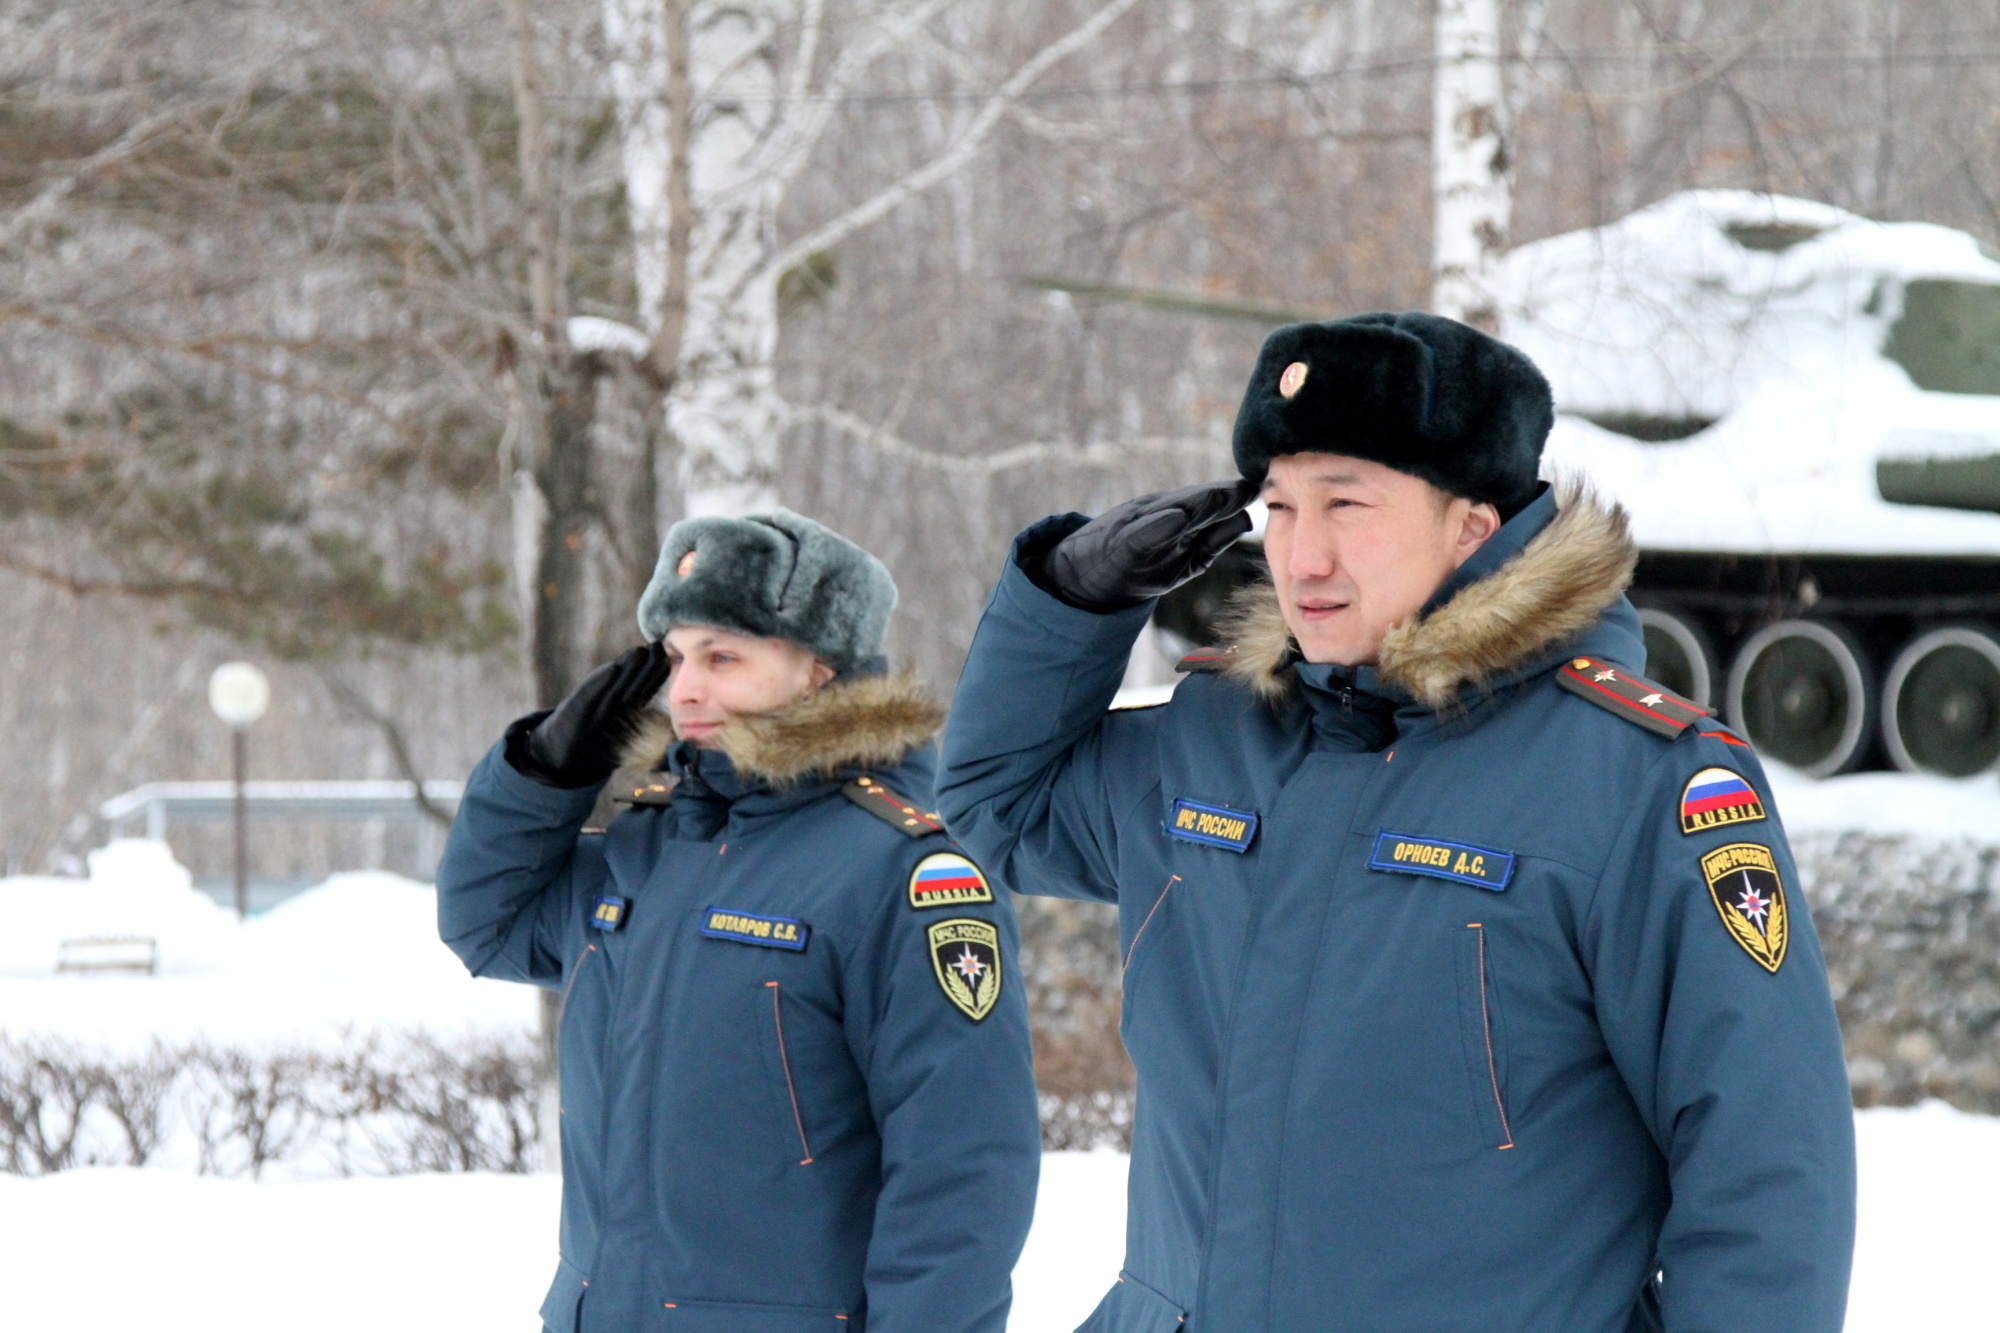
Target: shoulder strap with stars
pixel 1205 659
pixel 649 791
pixel 892 808
pixel 1632 697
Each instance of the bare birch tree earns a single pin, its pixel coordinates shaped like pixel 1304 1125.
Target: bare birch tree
pixel 712 154
pixel 1472 170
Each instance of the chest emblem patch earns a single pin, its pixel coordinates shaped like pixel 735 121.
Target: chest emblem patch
pixel 1743 883
pixel 1716 796
pixel 772 932
pixel 609 914
pixel 946 879
pixel 1213 825
pixel 1405 854
pixel 965 954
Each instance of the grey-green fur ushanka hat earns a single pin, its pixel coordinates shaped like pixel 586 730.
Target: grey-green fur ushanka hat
pixel 776 576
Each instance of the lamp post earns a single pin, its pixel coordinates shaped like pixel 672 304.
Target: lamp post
pixel 239 693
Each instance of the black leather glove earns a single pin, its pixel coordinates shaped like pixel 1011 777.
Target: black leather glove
pixel 577 745
pixel 1145 547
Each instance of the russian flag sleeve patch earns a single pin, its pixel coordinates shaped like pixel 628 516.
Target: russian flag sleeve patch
pixel 946 879
pixel 1716 797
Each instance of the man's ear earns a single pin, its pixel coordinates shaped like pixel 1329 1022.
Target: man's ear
pixel 1481 521
pixel 821 674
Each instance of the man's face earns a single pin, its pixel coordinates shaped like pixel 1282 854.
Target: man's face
pixel 718 673
pixel 1356 547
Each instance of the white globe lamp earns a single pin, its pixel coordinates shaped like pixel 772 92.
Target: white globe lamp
pixel 239 693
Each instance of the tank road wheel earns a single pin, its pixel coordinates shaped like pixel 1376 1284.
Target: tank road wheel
pixel 1679 654
pixel 1941 703
pixel 1800 690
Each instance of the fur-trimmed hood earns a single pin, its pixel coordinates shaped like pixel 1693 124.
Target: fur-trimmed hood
pixel 864 722
pixel 1559 585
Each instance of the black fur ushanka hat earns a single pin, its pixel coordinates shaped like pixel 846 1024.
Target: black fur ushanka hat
pixel 1419 393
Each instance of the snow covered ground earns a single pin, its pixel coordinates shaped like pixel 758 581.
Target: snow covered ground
pixel 108 1251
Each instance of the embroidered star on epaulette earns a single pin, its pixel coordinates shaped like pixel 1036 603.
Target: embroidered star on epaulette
pixel 1631 697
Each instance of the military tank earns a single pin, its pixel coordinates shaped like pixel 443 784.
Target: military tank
pixel 1800 408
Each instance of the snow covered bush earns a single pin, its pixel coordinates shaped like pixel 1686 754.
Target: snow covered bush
pixel 416 1104
pixel 1911 928
pixel 386 1103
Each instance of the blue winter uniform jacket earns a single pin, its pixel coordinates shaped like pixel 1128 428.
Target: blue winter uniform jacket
pixel 784 1106
pixel 1447 1016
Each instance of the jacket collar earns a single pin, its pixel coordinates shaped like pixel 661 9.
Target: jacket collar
pixel 1550 582
pixel 853 724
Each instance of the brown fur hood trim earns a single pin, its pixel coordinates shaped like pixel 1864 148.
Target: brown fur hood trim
pixel 1557 587
pixel 872 721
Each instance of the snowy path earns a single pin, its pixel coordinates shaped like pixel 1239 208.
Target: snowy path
pixel 112 1251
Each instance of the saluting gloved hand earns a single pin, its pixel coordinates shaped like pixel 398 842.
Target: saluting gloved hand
pixel 577 745
pixel 1146 547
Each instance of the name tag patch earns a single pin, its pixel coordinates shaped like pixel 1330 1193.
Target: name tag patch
pixel 772 932
pixel 1403 853
pixel 1213 825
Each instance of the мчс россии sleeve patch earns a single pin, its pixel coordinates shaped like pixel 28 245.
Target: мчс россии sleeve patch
pixel 1744 885
pixel 965 954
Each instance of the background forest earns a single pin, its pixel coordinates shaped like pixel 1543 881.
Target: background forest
pixel 328 337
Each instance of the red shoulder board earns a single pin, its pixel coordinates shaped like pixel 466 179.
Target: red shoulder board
pixel 1634 698
pixel 892 808
pixel 1205 659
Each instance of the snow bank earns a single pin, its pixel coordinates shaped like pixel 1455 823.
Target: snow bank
pixel 1920 804
pixel 108 1251
pixel 359 952
pixel 1077 1245
pixel 135 888
pixel 1930 1178
pixel 418 1253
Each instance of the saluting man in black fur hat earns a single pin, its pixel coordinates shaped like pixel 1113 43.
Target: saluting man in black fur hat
pixel 1465 973
pixel 796 1085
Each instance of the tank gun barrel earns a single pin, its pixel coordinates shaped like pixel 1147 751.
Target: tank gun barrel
pixel 1948 483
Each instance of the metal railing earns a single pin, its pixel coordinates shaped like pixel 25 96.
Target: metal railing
pixel 161 804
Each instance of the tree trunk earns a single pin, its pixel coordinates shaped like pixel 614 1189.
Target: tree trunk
pixel 1472 170
pixel 725 411
pixel 703 208
pixel 561 635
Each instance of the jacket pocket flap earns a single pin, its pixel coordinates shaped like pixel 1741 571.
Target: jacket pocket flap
pixel 751 1317
pixel 1133 1307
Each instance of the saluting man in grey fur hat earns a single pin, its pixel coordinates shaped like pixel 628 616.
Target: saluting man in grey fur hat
pixel 1464 972
pixel 796 1084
